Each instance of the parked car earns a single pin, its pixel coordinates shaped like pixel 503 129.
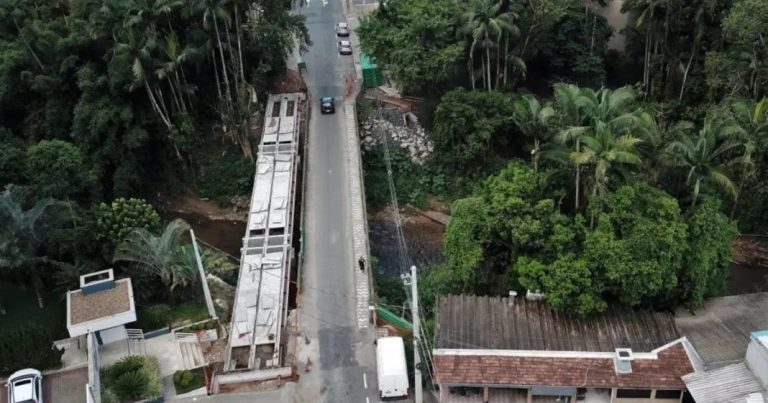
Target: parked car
pixel 342 29
pixel 327 105
pixel 345 47
pixel 25 386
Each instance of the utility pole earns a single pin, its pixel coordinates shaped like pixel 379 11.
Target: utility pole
pixel 203 278
pixel 416 335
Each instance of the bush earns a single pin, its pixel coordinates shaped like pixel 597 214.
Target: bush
pixel 185 381
pixel 230 165
pixel 116 220
pixel 155 317
pixel 134 378
pixel 29 346
pixel 221 266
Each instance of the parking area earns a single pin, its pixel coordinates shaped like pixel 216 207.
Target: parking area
pixel 61 387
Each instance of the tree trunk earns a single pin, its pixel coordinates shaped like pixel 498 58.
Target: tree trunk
pixel 498 60
pixel 239 41
pixel 161 99
pixel 155 106
pixel 578 175
pixel 37 285
pixel 180 90
pixel 488 67
pixel 506 59
pixel 592 41
pixel 216 73
pixel 472 70
pixel 27 44
pixel 536 145
pixel 685 74
pixel 223 62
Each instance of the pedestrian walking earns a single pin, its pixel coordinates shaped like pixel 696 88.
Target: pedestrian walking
pixel 361 262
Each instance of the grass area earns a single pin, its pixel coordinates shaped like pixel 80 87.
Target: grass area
pixel 188 380
pixel 157 316
pixel 22 308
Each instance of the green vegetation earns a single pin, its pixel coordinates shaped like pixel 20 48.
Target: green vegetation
pixel 107 107
pixel 600 177
pixel 28 346
pixel 158 316
pixel 185 380
pixel 132 378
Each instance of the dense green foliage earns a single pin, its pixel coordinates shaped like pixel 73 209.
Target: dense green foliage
pixel 638 250
pixel 133 378
pixel 28 346
pixel 186 380
pixel 117 219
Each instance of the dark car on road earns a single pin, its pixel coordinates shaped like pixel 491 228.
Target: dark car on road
pixel 327 105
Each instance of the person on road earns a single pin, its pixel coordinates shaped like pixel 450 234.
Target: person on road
pixel 361 262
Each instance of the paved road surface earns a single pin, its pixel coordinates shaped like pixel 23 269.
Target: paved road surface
pixel 343 363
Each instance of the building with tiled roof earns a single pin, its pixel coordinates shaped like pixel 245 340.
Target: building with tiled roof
pixel 515 349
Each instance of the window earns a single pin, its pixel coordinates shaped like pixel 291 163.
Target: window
pixel 668 394
pixel 276 109
pixel 289 110
pixel 633 393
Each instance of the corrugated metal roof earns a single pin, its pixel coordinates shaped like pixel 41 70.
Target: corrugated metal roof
pixel 732 383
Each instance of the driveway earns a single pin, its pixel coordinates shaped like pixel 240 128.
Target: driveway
pixel 61 387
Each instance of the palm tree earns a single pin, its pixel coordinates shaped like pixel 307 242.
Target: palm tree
pixel 161 255
pixel 607 121
pixel 753 119
pixel 215 10
pixel 487 24
pixel 136 51
pixel 22 235
pixel 15 9
pixel 534 120
pixel 707 155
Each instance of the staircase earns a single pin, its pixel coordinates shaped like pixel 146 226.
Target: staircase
pixel 191 353
pixel 135 342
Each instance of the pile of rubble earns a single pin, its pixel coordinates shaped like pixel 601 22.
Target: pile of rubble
pixel 408 135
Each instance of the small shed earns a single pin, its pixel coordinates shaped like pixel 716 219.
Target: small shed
pixel 101 306
pixel 371 72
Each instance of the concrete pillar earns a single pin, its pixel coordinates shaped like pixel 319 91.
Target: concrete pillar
pixel 443 392
pixel 485 395
pixel 529 398
pixel 613 394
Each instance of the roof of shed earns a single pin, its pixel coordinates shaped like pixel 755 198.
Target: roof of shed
pixel 731 383
pixel 472 322
pixel 664 372
pixel 102 304
pixel 720 329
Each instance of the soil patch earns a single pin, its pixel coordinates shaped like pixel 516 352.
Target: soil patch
pixel 203 207
pixel 749 266
pixel 290 81
pixel 423 235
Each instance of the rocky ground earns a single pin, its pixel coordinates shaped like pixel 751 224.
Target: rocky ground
pixel 402 130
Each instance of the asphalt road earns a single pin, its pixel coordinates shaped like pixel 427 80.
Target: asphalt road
pixel 343 363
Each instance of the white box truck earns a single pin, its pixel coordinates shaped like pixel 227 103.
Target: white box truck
pixel 390 363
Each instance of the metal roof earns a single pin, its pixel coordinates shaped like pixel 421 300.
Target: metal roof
pixel 731 383
pixel 260 306
pixel 721 328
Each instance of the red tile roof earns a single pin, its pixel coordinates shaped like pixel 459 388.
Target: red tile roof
pixel 663 372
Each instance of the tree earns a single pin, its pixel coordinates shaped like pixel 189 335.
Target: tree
pixel 116 220
pixel 28 346
pixel 417 40
pixel 57 169
pixel 534 120
pixel 22 236
pixel 466 240
pixel 12 160
pixel 706 264
pixel 752 117
pixel 486 24
pixel 161 255
pixel 706 155
pixel 468 123
pixel 601 127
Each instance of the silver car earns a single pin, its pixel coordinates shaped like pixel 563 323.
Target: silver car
pixel 345 48
pixel 342 29
pixel 25 386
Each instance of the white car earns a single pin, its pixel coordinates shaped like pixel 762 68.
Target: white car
pixel 345 47
pixel 342 29
pixel 25 386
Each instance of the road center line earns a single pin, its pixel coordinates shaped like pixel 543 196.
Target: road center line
pixel 365 380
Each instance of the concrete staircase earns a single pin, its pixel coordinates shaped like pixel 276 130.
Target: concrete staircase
pixel 191 353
